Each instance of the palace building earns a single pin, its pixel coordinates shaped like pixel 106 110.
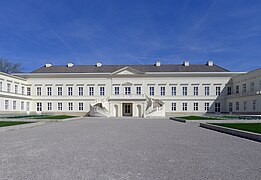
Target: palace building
pixel 131 90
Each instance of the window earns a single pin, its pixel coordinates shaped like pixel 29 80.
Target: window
pixel 230 107
pixel 116 90
pixel 6 104
pixel 151 91
pixel 195 91
pixel 22 105
pixel 127 90
pixel 195 106
pixel 173 106
pixel 60 106
pixel 254 104
pixel 49 91
pixel 162 91
pixel 102 91
pixel 217 91
pixel 244 88
pixel 80 91
pixel 14 105
pixel 49 106
pixel 8 87
pixel 16 89
pixel 1 86
pixel 237 89
pixel 217 107
pixel 59 91
pixel 70 105
pixel 80 106
pixel 185 91
pixel 70 91
pixel 245 105
pixel 22 89
pixel 229 90
pixel 138 90
pixel 39 106
pixel 173 91
pixel 184 106
pixel 91 91
pixel 252 86
pixel 28 106
pixel 28 91
pixel 207 91
pixel 206 106
pixel 38 91
pixel 237 106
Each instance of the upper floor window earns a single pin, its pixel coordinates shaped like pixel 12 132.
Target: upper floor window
pixel 229 90
pixel 102 91
pixel 127 90
pixel 22 89
pixel 28 90
pixel 16 89
pixel 151 91
pixel 174 91
pixel 244 88
pixel 70 91
pixel 218 91
pixel 8 87
pixel 185 91
pixel 207 91
pixel 49 91
pixel 162 91
pixel 59 91
pixel 173 106
pixel 138 90
pixel 237 89
pixel 195 91
pixel 38 91
pixel 91 91
pixel 80 91
pixel 252 86
pixel 117 90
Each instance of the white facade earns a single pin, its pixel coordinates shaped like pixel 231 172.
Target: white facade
pixel 125 92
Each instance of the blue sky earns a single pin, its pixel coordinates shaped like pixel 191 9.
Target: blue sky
pixel 34 32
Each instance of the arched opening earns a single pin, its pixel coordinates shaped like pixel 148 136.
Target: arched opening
pixel 116 112
pixel 139 110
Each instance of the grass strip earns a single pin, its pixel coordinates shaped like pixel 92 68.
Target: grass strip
pixel 251 127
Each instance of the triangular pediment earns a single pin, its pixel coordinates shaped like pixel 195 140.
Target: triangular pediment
pixel 127 71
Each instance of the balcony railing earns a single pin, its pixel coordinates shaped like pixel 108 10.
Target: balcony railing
pixel 127 96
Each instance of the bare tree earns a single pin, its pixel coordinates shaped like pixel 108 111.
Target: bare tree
pixel 9 67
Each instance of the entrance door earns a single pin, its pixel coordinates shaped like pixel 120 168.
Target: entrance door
pixel 127 109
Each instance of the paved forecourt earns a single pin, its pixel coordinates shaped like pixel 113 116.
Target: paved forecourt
pixel 126 148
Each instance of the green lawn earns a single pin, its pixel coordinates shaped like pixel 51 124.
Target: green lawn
pixel 11 123
pixel 41 117
pixel 252 127
pixel 199 118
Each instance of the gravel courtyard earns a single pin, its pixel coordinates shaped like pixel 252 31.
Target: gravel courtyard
pixel 125 148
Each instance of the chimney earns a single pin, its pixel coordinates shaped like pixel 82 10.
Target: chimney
pixel 98 64
pixel 186 63
pixel 48 65
pixel 70 65
pixel 210 63
pixel 157 63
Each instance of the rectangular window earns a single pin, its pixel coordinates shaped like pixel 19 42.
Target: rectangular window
pixel 116 90
pixel 245 105
pixel 237 106
pixel 16 89
pixel 28 90
pixel 8 87
pixel 49 106
pixel 206 106
pixel 151 91
pixel 237 89
pixel 207 91
pixel 184 106
pixel 162 91
pixel 195 91
pixel 1 86
pixel 80 106
pixel 59 91
pixel 195 106
pixel 28 106
pixel 14 105
pixel 70 105
pixel 38 91
pixel 252 86
pixel 217 107
pixel 60 106
pixel 254 104
pixel 6 104
pixel 244 88
pixel 91 91
pixel 173 106
pixel 22 89
pixel 185 91
pixel 22 105
pixel 127 90
pixel 38 106
pixel 230 107
pixel 102 91
pixel 138 90
pixel 80 91
pixel 173 91
pixel 70 91
pixel 229 90
pixel 218 91
pixel 49 91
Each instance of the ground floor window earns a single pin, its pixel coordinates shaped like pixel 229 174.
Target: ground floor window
pixel 22 105
pixel 237 106
pixel 28 106
pixel 38 106
pixel 195 106
pixel 206 106
pixel 217 107
pixel 49 106
pixel 173 106
pixel 14 105
pixel 6 104
pixel 60 106
pixel 184 106
pixel 254 104
pixel 70 105
pixel 245 105
pixel 230 107
pixel 80 106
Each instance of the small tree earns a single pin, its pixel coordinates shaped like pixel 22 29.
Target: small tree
pixel 9 67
